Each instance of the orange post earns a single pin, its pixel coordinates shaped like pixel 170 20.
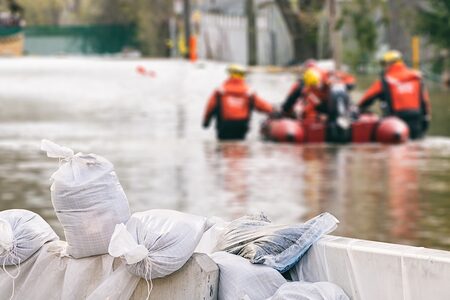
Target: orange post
pixel 193 48
pixel 416 52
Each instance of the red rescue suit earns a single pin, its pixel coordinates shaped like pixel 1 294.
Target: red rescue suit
pixel 232 107
pixel 404 95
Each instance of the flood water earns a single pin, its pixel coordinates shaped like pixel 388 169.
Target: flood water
pixel 150 128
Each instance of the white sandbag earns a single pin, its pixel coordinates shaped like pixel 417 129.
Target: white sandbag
pixel 277 246
pixel 211 237
pixel 22 233
pixel 309 291
pixel 119 285
pixel 48 276
pixel 88 200
pixel 157 242
pixel 239 278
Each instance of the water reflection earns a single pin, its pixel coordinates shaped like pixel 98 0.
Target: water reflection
pixel 403 184
pixel 235 175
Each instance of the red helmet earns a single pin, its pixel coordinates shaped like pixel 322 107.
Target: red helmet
pixel 309 63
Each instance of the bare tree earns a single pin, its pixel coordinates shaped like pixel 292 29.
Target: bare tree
pixel 399 29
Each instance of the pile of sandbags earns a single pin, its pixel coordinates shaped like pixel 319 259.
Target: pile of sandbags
pixel 93 210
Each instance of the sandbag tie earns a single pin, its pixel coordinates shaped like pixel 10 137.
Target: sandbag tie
pixel 11 254
pixel 56 151
pixel 122 244
pixel 148 274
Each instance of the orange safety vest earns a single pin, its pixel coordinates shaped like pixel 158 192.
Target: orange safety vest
pixel 234 102
pixel 233 106
pixel 404 90
pixel 401 88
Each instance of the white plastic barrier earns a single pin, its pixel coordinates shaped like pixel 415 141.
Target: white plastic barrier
pixel 373 270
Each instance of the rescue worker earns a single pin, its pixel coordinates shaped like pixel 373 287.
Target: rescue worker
pixel 316 90
pixel 344 77
pixel 402 93
pixel 312 89
pixel 232 105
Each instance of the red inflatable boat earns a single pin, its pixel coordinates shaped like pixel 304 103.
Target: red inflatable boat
pixel 367 128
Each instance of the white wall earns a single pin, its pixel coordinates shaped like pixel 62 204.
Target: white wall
pixel 224 38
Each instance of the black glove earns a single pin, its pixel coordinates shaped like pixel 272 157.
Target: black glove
pixel 354 112
pixel 205 124
pixel 276 115
pixel 363 110
pixel 350 87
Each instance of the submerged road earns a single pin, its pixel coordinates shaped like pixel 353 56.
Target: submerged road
pixel 149 127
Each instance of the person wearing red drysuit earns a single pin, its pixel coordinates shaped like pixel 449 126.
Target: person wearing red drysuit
pixel 402 93
pixel 232 105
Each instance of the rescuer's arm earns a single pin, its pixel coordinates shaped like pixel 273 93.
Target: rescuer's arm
pixel 373 93
pixel 262 105
pixel 210 109
pixel 292 98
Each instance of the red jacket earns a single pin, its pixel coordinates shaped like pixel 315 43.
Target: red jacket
pixel 402 88
pixel 236 102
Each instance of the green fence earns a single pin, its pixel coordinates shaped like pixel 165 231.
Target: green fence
pixel 9 30
pixel 84 39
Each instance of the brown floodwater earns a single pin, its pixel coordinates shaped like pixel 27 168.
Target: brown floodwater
pixel 149 127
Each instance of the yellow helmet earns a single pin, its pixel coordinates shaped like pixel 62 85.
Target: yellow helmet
pixel 312 78
pixel 236 70
pixel 391 57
